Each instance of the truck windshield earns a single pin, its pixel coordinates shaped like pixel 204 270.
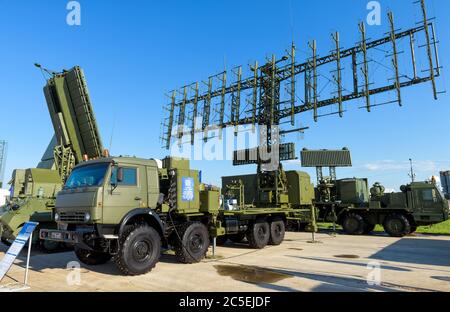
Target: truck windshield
pixel 91 175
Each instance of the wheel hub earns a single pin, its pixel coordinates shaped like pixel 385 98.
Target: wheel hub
pixel 352 224
pixel 196 243
pixel 141 250
pixel 396 225
pixel 261 233
pixel 277 230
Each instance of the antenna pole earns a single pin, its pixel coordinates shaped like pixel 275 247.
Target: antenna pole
pixel 428 45
pixel 412 174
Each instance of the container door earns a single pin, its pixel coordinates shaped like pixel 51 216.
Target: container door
pixel 153 186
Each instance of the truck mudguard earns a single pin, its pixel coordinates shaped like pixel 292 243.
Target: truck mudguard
pixel 148 214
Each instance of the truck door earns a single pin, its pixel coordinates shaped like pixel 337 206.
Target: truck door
pixel 126 195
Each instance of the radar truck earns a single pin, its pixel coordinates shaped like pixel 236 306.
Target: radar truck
pixel 400 213
pixel 33 191
pixel 128 209
pixel 351 204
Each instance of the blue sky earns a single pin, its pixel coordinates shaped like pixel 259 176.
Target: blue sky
pixel 133 52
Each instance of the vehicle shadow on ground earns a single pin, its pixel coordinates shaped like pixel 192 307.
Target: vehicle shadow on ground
pixel 341 232
pixel 362 263
pixel 41 261
pixel 243 245
pixel 331 283
pixel 417 251
pixel 278 287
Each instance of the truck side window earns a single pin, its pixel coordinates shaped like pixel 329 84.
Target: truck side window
pixel 429 195
pixel 129 176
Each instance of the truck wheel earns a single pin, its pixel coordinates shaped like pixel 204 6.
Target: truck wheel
pixel 277 231
pixel 194 243
pixel 237 238
pixel 259 234
pixel 368 228
pixel 353 224
pixel 90 257
pixel 397 225
pixel 139 250
pixel 413 229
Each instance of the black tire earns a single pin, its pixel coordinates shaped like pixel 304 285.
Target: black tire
pixel 139 250
pixel 237 238
pixel 277 232
pixel 397 225
pixel 413 230
pixel 258 234
pixel 91 257
pixel 353 224
pixel 194 243
pixel 368 228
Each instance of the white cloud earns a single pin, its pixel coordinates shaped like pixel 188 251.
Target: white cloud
pixel 391 165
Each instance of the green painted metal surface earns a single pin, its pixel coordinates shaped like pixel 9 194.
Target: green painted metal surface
pixel 326 158
pixel 76 134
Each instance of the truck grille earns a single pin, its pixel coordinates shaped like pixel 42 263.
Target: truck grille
pixel 71 216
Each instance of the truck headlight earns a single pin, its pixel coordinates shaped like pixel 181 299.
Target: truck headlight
pixel 56 217
pixel 87 217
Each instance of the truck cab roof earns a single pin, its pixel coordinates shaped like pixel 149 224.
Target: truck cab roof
pixel 122 159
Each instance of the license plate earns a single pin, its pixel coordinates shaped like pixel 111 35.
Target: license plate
pixel 56 235
pixel 63 226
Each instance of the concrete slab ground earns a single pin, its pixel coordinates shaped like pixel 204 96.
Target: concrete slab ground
pixel 340 263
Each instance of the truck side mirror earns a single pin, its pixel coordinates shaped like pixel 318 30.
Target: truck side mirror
pixel 119 175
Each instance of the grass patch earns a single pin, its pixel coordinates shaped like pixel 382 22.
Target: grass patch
pixel 440 229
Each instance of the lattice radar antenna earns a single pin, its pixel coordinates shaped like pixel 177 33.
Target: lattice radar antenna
pixel 218 102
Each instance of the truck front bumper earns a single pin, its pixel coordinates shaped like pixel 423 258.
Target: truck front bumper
pixel 72 237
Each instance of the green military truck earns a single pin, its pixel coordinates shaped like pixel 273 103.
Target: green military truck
pixel 351 204
pixel 33 192
pixel 266 202
pixel 400 213
pixel 127 209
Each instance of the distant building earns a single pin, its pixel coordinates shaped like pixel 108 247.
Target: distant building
pixel 3 195
pixel 445 182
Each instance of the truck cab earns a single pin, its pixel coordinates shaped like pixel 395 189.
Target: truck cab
pixel 104 191
pixel 100 194
pixel 128 208
pixel 423 201
pixel 426 202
